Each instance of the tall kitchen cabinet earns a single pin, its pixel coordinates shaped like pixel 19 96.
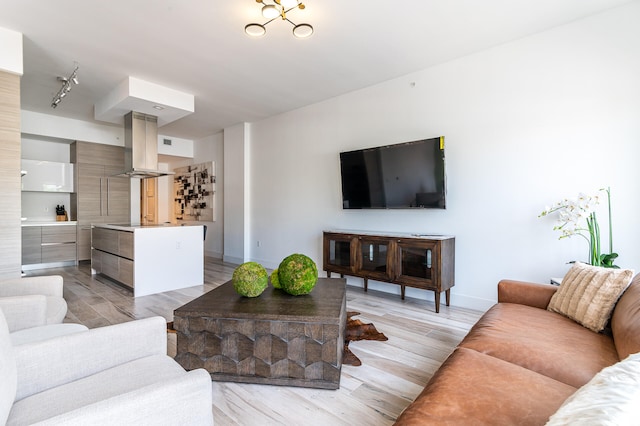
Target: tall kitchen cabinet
pixel 101 196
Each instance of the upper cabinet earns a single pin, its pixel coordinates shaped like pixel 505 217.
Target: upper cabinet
pixel 47 176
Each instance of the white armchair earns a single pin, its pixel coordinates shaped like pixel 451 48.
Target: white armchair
pixel 31 291
pixel 111 375
pixel 26 318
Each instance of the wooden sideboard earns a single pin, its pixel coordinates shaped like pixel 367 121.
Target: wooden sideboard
pixel 410 260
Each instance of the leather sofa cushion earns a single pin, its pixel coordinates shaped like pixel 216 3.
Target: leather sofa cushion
pixel 478 389
pixel 625 321
pixel 542 341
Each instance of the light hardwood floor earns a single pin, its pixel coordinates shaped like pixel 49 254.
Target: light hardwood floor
pixel 392 373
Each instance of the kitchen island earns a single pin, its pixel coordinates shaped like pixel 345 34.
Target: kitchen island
pixel 149 259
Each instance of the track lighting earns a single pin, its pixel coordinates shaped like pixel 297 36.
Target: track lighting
pixel 66 87
pixel 279 9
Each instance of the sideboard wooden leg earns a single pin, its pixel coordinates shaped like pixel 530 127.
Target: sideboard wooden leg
pixel 366 284
pixel 447 295
pixel 437 294
pixel 402 292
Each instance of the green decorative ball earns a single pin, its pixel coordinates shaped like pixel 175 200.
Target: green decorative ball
pixel 250 279
pixel 275 282
pixel 297 274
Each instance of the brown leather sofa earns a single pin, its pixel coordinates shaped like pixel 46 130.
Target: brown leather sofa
pixel 519 362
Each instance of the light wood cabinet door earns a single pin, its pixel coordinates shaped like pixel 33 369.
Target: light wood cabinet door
pixel 105 240
pixel 97 153
pixel 113 266
pixel 84 240
pixel 117 195
pixel 90 199
pixel 58 253
pixel 101 197
pixel 125 245
pixel 48 244
pixel 31 240
pixel 58 234
pixel 125 271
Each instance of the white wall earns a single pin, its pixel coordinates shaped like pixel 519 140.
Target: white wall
pixel 212 149
pixel 526 124
pixel 177 147
pixel 36 123
pixel 236 200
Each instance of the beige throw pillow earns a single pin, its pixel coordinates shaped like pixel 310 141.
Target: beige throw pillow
pixel 588 294
pixel 610 398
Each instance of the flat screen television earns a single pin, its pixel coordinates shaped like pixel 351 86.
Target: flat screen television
pixel 408 175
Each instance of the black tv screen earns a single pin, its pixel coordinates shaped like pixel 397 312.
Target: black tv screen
pixel 401 176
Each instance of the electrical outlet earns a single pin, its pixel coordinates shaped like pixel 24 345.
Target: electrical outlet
pixel 258 243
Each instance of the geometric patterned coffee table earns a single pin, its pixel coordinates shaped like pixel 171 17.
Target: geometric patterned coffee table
pixel 275 338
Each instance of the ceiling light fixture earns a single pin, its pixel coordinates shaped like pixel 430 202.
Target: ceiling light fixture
pixel 275 10
pixel 66 86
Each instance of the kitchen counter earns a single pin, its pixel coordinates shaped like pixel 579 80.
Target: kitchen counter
pixel 149 259
pixel 49 223
pixel 132 226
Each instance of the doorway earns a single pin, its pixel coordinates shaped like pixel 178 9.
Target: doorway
pixel 148 201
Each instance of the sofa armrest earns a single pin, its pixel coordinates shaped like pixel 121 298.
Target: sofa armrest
pixel 24 311
pixel 54 362
pixel 50 285
pixel 525 293
pixel 186 400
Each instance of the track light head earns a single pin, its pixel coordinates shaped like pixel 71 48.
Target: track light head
pixel 66 87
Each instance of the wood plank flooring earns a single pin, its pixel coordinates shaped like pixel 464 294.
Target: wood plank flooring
pixel 392 374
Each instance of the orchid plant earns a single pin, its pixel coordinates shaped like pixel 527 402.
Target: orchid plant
pixel 578 217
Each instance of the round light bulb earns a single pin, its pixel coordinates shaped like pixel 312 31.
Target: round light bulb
pixel 287 4
pixel 302 30
pixel 270 11
pixel 255 30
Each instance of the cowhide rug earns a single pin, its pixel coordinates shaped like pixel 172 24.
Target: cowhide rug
pixel 357 330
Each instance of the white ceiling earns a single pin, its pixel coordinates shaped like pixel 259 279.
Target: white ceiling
pixel 199 47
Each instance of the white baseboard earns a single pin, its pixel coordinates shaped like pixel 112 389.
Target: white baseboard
pixel 214 254
pixel 232 259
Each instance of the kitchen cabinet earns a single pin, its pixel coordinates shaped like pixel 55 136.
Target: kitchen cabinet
pixel 31 241
pixel 48 245
pixel 46 176
pixel 410 260
pixel 101 196
pixel 112 254
pixel 113 266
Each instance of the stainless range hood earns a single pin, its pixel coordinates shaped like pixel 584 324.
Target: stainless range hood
pixel 141 146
